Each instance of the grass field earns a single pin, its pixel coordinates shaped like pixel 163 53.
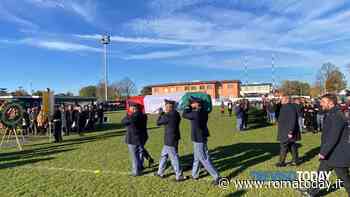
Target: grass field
pixel 97 164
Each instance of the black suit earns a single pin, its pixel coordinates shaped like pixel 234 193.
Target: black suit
pixel 288 124
pixel 199 128
pixel 335 146
pixel 171 121
pixel 135 128
pixel 57 125
pixel 69 120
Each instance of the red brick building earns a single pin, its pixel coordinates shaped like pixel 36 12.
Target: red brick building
pixel 216 89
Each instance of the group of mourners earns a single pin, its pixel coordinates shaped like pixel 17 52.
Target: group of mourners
pixel 170 118
pixel 65 119
pixel 310 113
pixel 335 140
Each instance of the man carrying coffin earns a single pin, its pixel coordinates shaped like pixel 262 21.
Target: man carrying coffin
pixel 200 133
pixel 134 121
pixel 171 119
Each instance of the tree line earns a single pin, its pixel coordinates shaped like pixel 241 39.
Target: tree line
pixel 119 89
pixel 329 78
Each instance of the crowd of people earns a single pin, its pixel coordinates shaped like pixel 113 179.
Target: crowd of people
pixel 65 119
pixel 310 114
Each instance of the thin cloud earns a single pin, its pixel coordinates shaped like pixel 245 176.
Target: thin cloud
pixel 7 15
pixel 59 45
pixel 86 9
pixel 53 45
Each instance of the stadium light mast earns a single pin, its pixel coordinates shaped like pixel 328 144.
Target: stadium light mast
pixel 273 72
pixel 246 69
pixel 105 40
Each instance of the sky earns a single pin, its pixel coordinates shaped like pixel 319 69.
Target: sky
pixel 55 43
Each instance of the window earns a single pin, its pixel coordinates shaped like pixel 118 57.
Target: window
pixel 155 89
pixel 172 89
pixel 187 88
pixel 194 88
pixel 178 89
pixel 166 90
pixel 202 87
pixel 209 87
pixel 229 86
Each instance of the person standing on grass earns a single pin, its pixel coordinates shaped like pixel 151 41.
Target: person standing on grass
pixel 171 119
pixel 144 153
pixel 200 133
pixel 335 143
pixel 57 122
pixel 63 120
pixel 135 137
pixel 222 108
pixel 239 116
pixel 230 108
pixel 69 118
pixel 100 114
pixel 300 111
pixel 288 132
pixel 245 113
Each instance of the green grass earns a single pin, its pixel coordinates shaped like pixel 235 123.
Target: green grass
pixel 97 164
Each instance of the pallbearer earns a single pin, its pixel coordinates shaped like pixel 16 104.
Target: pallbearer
pixel 134 121
pixel 171 119
pixel 200 133
pixel 288 132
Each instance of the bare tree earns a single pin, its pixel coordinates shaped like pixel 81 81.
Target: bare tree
pixel 124 88
pixel 324 74
pixel 100 91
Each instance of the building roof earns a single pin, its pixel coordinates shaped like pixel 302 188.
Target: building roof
pixel 257 84
pixel 193 83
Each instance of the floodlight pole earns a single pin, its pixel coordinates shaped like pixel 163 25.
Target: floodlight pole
pixel 273 73
pixel 105 41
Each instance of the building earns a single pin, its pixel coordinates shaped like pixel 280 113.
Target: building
pixel 256 89
pixel 216 89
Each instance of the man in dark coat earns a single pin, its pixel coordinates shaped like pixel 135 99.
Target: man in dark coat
pixel 57 122
pixel 335 143
pixel 100 114
pixel 288 132
pixel 135 135
pixel 144 153
pixel 171 120
pixel 200 133
pixel 69 119
pixel 239 109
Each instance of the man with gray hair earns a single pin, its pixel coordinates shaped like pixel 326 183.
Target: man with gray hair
pixel 288 132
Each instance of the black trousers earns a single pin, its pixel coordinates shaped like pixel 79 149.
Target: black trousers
pixel 341 172
pixel 57 131
pixel 286 147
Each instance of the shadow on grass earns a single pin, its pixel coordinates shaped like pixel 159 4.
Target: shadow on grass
pixel 19 158
pixel 308 156
pixel 237 157
pixel 107 127
pixel 257 119
pixel 14 164
pixel 237 193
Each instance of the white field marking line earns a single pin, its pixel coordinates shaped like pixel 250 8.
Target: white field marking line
pixel 89 171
